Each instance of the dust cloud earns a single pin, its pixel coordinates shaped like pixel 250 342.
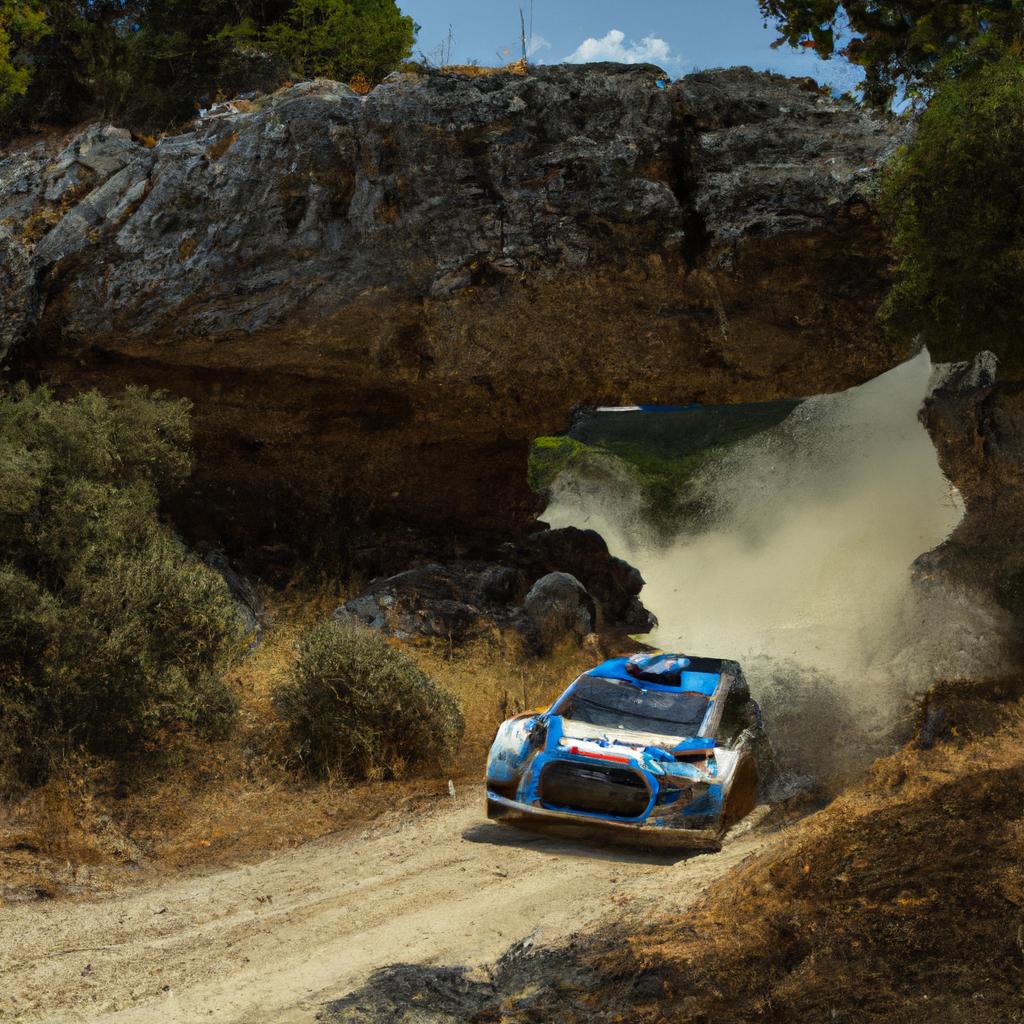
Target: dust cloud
pixel 799 566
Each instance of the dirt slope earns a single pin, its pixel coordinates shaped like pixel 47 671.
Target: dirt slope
pixel 273 941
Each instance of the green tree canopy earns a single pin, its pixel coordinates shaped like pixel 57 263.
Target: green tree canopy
pixel 22 25
pixel 903 45
pixel 342 38
pixel 954 203
pixel 152 63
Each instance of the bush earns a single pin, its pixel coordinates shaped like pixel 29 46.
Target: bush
pixel 109 627
pixel 357 706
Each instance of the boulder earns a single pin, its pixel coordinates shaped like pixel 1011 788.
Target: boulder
pixel 559 606
pixel 614 584
pixel 249 605
pixel 459 601
pixel 453 602
pixel 977 425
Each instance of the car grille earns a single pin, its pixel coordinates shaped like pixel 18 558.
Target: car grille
pixel 597 789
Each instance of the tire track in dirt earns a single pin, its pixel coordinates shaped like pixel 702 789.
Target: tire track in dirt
pixel 272 941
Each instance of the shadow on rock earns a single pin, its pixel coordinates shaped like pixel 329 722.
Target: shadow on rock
pixel 555 585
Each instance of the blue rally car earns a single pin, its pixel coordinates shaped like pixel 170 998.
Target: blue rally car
pixel 663 748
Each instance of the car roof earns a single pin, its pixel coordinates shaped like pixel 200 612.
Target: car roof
pixel 676 671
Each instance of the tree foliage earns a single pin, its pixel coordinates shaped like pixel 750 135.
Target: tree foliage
pixel 109 627
pixel 342 38
pixel 22 25
pixel 954 202
pixel 903 45
pixel 152 63
pixel 357 706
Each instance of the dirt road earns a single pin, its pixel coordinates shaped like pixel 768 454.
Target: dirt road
pixel 272 941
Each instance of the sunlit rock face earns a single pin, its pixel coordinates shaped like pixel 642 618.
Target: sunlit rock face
pixel 377 303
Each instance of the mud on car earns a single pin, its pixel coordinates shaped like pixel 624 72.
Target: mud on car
pixel 665 748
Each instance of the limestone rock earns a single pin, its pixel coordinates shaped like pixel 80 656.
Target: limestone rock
pixel 377 303
pixel 977 424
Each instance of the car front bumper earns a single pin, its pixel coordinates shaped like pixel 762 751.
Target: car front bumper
pixel 500 808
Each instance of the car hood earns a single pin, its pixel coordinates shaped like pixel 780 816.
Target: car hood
pixel 573 730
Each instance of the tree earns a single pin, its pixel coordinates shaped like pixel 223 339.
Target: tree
pixel 903 45
pixel 342 38
pixel 954 205
pixel 79 64
pixel 152 63
pixel 22 25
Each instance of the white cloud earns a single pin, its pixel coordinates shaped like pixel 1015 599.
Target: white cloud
pixel 536 44
pixel 614 47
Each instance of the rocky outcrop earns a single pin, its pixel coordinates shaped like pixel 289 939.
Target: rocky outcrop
pixel 453 603
pixel 530 592
pixel 249 606
pixel 977 424
pixel 466 600
pixel 558 605
pixel 376 303
pixel 615 585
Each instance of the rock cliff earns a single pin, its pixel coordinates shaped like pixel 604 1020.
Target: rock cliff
pixel 977 423
pixel 376 303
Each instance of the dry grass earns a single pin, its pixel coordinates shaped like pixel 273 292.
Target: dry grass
pixel 191 803
pixel 222 145
pixel 903 900
pixel 493 680
pixel 517 67
pixel 360 84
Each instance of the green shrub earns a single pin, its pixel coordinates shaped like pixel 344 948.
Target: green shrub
pixel 357 706
pixel 550 456
pixel 109 627
pixel 661 480
pixel 954 202
pixel 342 38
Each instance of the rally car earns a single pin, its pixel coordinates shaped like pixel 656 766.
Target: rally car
pixel 664 748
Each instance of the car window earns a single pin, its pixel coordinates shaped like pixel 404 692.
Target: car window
pixel 614 704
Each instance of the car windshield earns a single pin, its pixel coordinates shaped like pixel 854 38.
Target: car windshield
pixel 621 705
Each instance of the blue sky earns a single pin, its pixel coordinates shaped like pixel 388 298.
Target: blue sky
pixel 678 35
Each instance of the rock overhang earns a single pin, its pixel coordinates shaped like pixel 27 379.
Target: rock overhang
pixel 377 303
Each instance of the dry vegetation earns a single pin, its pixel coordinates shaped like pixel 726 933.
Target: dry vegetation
pixel 517 67
pixel 903 900
pixel 194 804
